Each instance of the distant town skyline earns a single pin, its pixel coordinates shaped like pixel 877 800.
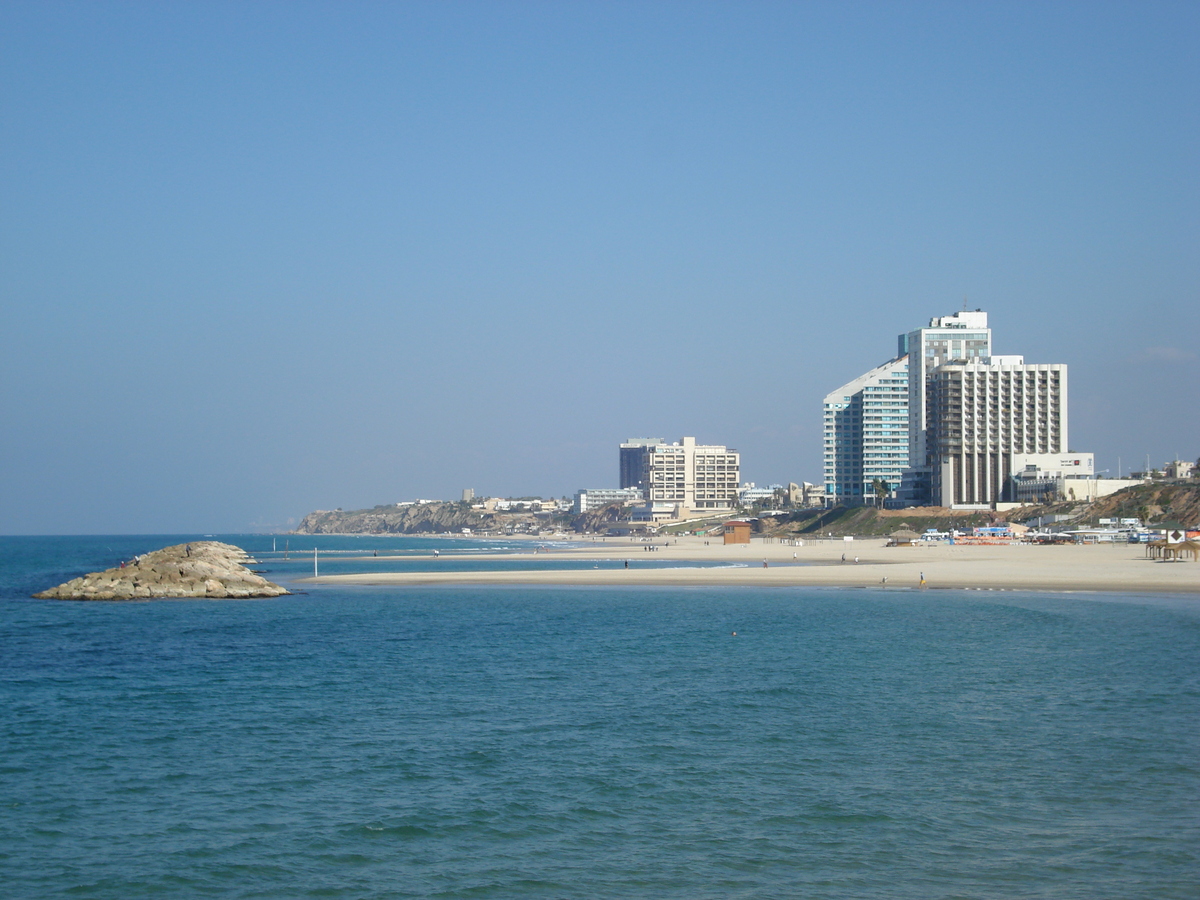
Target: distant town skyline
pixel 259 260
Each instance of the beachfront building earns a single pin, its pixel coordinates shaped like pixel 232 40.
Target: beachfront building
pixel 750 494
pixel 983 415
pixel 1059 476
pixel 598 498
pixel 962 336
pixel 974 424
pixel 633 465
pixel 866 435
pixel 681 478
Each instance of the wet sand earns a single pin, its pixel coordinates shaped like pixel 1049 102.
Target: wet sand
pixel 1095 567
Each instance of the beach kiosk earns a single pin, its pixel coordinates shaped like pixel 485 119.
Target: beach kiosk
pixel 737 532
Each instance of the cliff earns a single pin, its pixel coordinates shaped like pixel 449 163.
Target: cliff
pixel 1154 502
pixel 423 518
pixel 199 569
pixel 440 518
pixel 866 521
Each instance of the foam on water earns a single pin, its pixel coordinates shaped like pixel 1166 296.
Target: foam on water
pixel 593 742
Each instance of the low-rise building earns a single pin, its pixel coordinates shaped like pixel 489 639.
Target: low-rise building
pixel 1177 468
pixel 598 498
pixel 749 494
pixel 1039 477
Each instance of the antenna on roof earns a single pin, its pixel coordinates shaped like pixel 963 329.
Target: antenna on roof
pixel 964 303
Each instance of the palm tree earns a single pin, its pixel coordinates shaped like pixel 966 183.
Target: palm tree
pixel 881 492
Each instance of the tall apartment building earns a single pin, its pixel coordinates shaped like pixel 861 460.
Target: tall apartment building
pixel 983 414
pixel 681 477
pixel 866 434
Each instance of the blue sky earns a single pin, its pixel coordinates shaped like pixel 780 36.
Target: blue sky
pixel 262 258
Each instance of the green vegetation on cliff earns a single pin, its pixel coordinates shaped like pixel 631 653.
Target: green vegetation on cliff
pixel 866 520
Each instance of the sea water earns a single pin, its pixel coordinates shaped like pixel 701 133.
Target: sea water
pixel 371 742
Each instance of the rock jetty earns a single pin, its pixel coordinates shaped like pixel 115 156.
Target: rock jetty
pixel 199 569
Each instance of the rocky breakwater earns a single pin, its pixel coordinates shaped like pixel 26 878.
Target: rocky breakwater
pixel 199 569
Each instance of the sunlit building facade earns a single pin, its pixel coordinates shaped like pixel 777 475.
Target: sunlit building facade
pixel 866 435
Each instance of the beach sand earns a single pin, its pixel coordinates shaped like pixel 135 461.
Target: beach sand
pixel 1089 567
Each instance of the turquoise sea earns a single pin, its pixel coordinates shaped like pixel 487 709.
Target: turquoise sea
pixel 372 742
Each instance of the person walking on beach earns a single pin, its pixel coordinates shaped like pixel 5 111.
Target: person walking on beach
pixel 843 557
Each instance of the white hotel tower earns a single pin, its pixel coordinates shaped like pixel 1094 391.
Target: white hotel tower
pixel 984 414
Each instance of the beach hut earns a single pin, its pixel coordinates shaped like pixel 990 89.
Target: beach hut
pixel 737 532
pixel 904 538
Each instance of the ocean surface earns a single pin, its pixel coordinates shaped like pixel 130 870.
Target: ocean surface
pixel 550 742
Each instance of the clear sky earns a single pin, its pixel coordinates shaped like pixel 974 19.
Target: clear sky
pixel 262 258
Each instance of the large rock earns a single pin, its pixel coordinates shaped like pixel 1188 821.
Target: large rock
pixel 199 569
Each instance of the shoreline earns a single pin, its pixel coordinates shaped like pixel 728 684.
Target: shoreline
pixel 1091 567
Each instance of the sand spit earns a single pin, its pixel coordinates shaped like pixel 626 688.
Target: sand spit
pixel 1098 567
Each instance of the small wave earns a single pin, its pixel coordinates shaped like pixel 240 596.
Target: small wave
pixel 376 829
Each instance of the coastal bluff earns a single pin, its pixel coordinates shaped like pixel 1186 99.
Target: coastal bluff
pixel 206 569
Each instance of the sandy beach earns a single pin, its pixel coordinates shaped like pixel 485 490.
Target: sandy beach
pixel 1094 567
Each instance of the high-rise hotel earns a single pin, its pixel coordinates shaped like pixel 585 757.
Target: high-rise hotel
pixel 973 422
